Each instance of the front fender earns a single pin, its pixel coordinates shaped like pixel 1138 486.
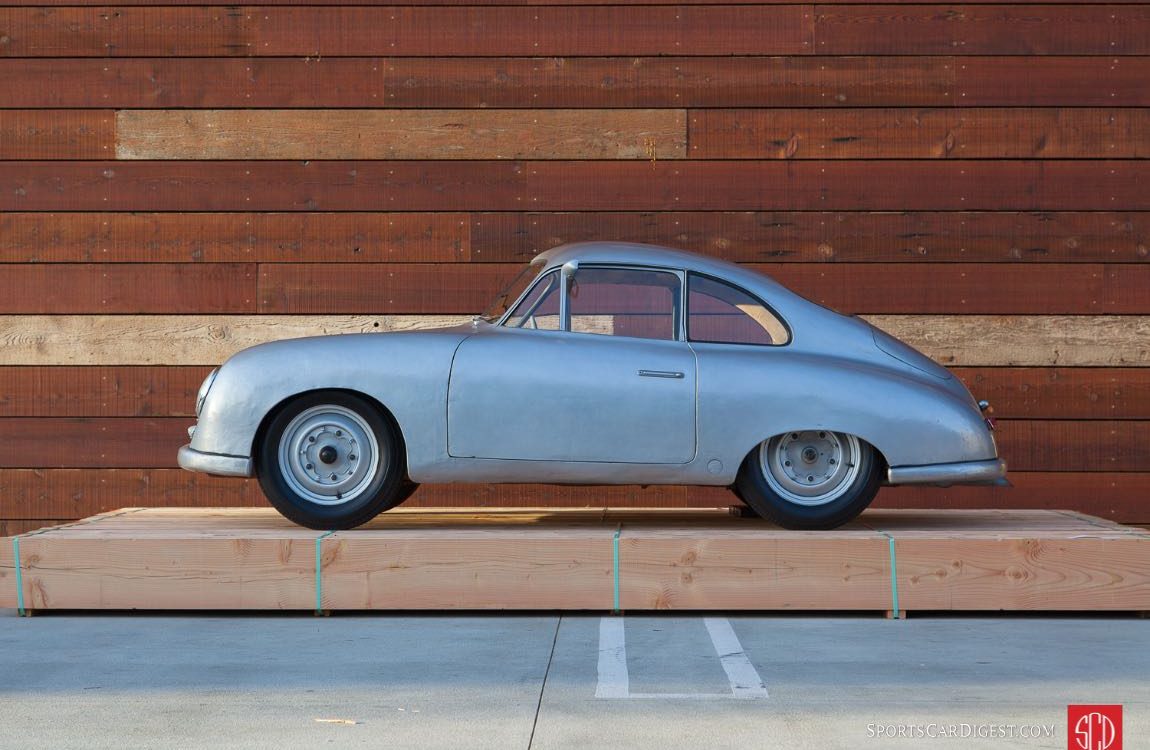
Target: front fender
pixel 405 372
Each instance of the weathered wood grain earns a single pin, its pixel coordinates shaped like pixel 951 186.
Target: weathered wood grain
pixel 364 31
pixel 968 133
pixel 57 134
pixel 566 185
pixel 576 82
pixel 982 30
pixel 41 442
pixel 103 237
pixel 51 3
pixel 33 495
pixel 382 568
pixel 533 559
pixel 99 391
pixel 75 493
pixel 459 288
pixel 173 339
pixel 110 391
pixel 151 443
pixel 211 570
pixel 1057 445
pixel 753 566
pixel 958 340
pixel 401 134
pixel 1118 496
pixel 1062 392
pixel 14 528
pixel 851 288
pixel 1042 81
pixel 741 236
pixel 806 236
pixel 1024 572
pixel 61 288
pixel 540 82
pixel 1025 341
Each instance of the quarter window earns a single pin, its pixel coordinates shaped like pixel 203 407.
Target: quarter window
pixel 723 314
pixel 625 302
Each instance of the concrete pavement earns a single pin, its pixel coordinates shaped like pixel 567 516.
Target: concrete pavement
pixel 544 681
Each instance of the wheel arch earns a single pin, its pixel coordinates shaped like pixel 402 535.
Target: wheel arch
pixel 277 409
pixel 751 452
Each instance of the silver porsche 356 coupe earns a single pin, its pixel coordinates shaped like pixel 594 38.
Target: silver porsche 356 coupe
pixel 603 363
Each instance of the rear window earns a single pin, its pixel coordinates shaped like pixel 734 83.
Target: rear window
pixel 720 313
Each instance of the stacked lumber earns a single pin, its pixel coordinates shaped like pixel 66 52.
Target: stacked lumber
pixel 181 180
pixel 565 559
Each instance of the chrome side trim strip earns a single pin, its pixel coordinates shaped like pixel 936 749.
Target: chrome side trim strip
pixel 660 374
pixel 966 472
pixel 212 463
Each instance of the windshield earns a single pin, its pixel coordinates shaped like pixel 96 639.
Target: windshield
pixel 511 292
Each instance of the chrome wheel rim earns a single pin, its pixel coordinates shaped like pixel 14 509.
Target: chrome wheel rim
pixel 328 455
pixel 810 467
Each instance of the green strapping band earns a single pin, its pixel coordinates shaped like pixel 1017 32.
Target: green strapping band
pixel 319 571
pixel 19 576
pixel 893 578
pixel 615 548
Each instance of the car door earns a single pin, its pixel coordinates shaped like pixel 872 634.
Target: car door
pixel 590 367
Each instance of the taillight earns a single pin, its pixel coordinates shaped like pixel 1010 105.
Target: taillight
pixel 984 407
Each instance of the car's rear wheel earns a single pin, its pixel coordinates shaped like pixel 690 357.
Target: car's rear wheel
pixel 331 460
pixel 810 479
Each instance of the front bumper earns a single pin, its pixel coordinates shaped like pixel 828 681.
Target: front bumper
pixel 214 463
pixel 992 471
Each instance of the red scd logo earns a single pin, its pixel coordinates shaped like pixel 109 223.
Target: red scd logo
pixel 1094 727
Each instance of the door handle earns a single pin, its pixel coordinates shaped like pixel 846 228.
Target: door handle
pixel 660 374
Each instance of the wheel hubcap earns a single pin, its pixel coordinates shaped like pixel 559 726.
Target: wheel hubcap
pixel 811 467
pixel 328 455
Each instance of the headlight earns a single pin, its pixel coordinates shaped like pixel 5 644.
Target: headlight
pixel 202 394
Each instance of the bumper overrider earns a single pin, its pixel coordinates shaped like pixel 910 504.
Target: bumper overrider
pixel 214 463
pixel 991 471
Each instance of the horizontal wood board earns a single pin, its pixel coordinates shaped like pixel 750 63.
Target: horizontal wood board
pixel 237 558
pixel 178 181
pixel 35 497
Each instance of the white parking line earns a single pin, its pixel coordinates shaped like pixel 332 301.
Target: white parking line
pixel 615 681
pixel 744 678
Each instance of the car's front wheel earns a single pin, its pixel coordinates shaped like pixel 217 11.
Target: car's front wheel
pixel 331 460
pixel 810 479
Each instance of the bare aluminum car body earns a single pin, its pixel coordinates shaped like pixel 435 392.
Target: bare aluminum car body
pixel 484 402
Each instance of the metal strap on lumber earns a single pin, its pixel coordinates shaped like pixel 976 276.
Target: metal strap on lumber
pixel 319 571
pixel 615 564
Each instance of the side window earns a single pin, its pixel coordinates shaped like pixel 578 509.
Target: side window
pixel 625 302
pixel 540 308
pixel 723 314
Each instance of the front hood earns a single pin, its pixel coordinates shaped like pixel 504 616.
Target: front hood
pixel 342 345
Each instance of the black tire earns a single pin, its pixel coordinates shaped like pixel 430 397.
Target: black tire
pixel 340 433
pixel 763 480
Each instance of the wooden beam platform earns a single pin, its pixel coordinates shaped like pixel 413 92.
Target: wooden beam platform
pixel 891 561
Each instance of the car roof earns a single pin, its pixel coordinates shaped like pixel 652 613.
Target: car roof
pixel 635 253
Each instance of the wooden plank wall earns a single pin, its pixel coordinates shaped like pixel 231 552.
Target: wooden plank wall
pixel 180 180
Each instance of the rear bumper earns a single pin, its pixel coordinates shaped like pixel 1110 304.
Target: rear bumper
pixel 214 463
pixel 992 471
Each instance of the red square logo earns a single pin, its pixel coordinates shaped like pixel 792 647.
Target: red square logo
pixel 1094 727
